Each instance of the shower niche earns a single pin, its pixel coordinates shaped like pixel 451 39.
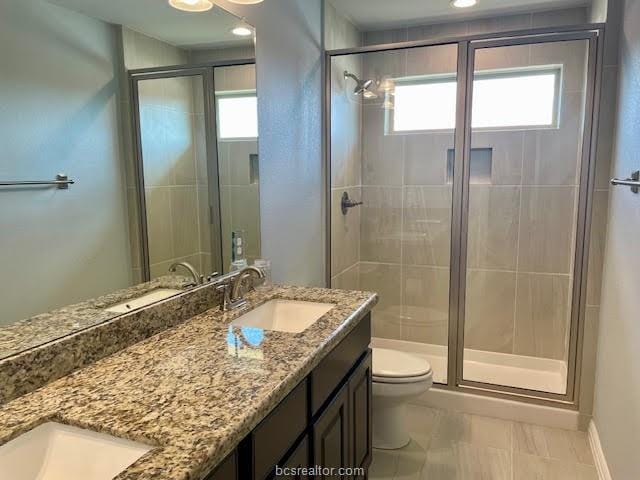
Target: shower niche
pixel 480 168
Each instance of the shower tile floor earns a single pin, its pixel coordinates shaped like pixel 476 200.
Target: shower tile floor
pixel 457 446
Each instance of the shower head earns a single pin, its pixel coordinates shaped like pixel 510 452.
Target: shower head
pixel 362 86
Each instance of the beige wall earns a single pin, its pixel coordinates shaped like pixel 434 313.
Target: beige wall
pixel 173 139
pixel 221 54
pixel 289 82
pixel 617 387
pixel 59 97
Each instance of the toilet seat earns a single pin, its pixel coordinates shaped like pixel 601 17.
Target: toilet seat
pixel 394 366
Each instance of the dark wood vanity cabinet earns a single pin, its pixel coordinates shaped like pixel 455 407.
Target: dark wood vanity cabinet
pixel 360 397
pixel 227 470
pixel 331 435
pixel 299 458
pixel 324 422
pixel 342 434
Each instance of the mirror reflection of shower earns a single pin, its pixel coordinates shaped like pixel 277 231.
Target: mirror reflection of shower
pixel 363 87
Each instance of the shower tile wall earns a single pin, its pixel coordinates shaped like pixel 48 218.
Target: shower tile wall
pixel 172 137
pixel 346 153
pixel 600 204
pixel 406 216
pixel 520 285
pixel 239 192
pixel 520 246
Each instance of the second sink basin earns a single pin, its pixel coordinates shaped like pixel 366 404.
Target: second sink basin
pixel 53 451
pixel 292 316
pixel 144 300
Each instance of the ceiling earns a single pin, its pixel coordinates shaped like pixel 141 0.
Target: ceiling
pixel 378 14
pixel 157 19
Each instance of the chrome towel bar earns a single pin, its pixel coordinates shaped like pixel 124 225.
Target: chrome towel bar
pixel 633 181
pixel 61 181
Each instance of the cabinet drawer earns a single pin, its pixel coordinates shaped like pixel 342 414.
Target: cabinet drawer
pixel 278 432
pixel 331 371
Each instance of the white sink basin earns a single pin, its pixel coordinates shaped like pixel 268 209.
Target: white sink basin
pixel 146 299
pixel 291 316
pixel 53 451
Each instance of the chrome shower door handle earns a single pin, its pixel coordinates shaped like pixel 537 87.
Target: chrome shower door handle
pixel 346 203
pixel 633 181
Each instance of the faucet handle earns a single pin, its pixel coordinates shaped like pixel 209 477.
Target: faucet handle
pixel 225 289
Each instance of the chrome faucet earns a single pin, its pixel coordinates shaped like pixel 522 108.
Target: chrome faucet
pixel 197 278
pixel 233 292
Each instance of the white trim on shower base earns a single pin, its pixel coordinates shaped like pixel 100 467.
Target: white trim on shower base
pixel 482 404
pixel 500 408
pixel 534 373
pixel 598 455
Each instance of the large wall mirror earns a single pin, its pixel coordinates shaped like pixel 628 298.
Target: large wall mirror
pixel 129 144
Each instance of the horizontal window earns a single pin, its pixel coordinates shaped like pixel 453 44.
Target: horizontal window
pixel 237 116
pixel 512 99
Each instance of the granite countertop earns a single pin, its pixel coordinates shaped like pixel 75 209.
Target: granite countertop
pixel 193 391
pixel 46 327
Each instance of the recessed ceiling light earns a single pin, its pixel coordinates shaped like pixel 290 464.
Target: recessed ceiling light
pixel 192 5
pixel 463 3
pixel 242 30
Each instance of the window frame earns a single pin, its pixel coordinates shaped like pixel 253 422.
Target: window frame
pixel 226 94
pixel 537 70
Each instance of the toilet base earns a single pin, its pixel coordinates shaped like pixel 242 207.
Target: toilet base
pixel 390 429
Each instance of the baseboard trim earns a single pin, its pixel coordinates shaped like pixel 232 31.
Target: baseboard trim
pixel 500 408
pixel 598 454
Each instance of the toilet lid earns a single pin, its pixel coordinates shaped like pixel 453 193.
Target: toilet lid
pixel 396 364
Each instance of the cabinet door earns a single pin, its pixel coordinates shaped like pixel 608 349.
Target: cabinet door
pixel 298 460
pixel 227 470
pixel 360 415
pixel 331 437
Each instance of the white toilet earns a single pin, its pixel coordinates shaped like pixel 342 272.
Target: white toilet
pixel 398 377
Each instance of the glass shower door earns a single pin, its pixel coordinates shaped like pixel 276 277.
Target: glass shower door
pixel 176 172
pixel 525 188
pixel 393 116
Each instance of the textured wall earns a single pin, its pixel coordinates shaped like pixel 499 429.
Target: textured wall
pixel 289 83
pixel 59 113
pixel 617 388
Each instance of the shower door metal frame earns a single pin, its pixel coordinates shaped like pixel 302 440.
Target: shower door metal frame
pixel 594 34
pixel 583 214
pixel 206 70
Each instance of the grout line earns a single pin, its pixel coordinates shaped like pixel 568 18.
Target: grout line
pixel 515 300
pixel 512 453
pixel 402 213
pixel 478 185
pixel 345 270
pixel 446 267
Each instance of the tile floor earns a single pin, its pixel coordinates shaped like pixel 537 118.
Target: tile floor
pixel 458 446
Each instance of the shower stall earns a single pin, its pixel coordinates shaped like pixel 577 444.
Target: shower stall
pixel 197 169
pixel 474 162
